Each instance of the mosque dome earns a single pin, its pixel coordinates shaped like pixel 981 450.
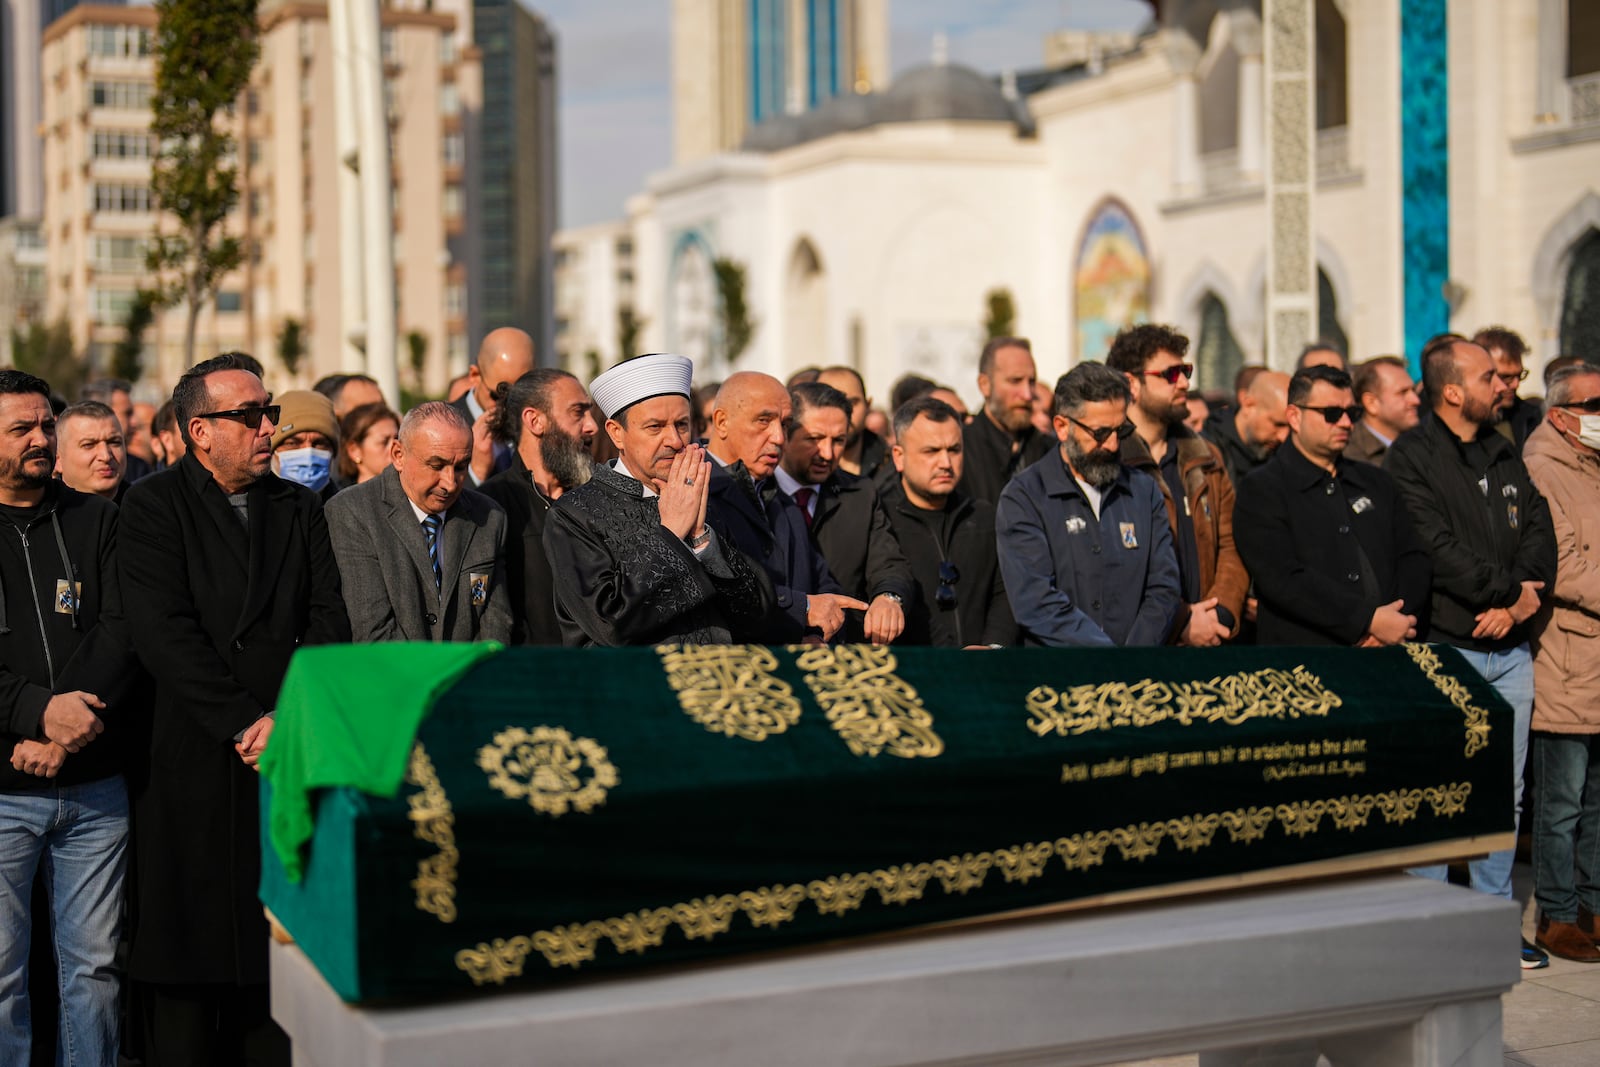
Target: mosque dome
pixel 943 91
pixel 937 92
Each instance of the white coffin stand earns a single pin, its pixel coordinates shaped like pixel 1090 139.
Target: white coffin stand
pixel 1381 970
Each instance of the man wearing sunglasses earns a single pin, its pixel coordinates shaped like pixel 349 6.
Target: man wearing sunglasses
pixel 226 569
pixel 1489 534
pixel 1193 480
pixel 948 536
pixel 1563 457
pixel 1328 541
pixel 1085 547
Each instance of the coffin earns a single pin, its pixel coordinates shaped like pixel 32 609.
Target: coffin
pixel 450 820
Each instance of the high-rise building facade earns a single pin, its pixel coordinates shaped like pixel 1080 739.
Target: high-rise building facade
pixel 737 63
pixel 515 173
pixel 98 72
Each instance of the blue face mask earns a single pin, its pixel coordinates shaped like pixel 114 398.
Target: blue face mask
pixel 309 467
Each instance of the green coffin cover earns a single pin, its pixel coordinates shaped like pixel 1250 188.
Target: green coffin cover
pixel 563 813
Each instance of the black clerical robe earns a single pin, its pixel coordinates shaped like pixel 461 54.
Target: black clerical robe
pixel 621 578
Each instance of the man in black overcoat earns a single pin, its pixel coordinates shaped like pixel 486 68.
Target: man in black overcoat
pixel 226 570
pixel 1328 540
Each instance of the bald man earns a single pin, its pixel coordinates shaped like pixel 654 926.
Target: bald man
pixel 1249 436
pixel 745 440
pixel 505 355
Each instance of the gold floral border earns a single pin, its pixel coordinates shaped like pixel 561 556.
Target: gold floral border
pixel 703 919
pixel 1477 718
pixel 435 824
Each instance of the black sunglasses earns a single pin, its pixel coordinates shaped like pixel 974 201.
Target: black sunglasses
pixel 1331 415
pixel 1173 373
pixel 945 595
pixel 251 416
pixel 1101 433
pixel 1590 406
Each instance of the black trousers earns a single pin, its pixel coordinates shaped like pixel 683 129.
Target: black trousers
pixel 205 1025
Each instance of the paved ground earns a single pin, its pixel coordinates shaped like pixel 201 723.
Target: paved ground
pixel 1552 1018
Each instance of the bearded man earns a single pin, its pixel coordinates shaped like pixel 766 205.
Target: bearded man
pixel 1001 440
pixel 548 418
pixel 1084 542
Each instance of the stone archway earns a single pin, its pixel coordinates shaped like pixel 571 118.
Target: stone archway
pixel 805 310
pixel 1580 303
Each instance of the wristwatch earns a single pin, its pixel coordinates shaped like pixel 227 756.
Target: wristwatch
pixel 702 541
pixel 894 597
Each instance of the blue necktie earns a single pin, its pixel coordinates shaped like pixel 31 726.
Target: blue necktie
pixel 431 526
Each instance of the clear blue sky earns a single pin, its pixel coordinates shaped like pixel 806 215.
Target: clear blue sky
pixel 615 62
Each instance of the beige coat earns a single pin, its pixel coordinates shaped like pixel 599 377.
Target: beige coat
pixel 1566 661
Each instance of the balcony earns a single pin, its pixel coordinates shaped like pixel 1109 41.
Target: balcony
pixel 1220 174
pixel 1584 99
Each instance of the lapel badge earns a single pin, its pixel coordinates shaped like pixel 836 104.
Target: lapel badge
pixel 1360 504
pixel 1075 525
pixel 1128 538
pixel 68 596
pixel 480 589
pixel 1511 515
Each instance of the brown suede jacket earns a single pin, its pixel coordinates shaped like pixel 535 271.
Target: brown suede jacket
pixel 1210 500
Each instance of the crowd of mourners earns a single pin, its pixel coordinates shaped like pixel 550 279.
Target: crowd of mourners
pixel 159 567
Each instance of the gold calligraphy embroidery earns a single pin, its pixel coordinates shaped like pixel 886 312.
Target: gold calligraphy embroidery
pixel 730 689
pixel 772 906
pixel 870 706
pixel 1230 699
pixel 434 823
pixel 1477 718
pixel 547 767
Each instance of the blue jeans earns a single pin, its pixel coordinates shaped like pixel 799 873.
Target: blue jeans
pixel 78 835
pixel 1510 671
pixel 1566 824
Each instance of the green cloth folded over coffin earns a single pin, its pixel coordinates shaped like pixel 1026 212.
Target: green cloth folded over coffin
pixel 565 812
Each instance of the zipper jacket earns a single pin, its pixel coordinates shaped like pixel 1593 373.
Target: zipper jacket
pixel 57 580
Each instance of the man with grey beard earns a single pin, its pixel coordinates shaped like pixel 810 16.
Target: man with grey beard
pixel 1084 542
pixel 548 419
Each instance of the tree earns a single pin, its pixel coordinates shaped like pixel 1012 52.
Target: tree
pixel 205 50
pixel 628 327
pixel 733 311
pixel 47 351
pixel 417 347
pixel 291 345
pixel 1002 318
pixel 127 359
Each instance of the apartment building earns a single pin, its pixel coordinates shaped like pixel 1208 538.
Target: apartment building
pixel 98 72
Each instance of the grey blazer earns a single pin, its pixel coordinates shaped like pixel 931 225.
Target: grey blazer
pixel 388 582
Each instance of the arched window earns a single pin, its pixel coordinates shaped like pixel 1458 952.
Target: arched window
pixel 1217 355
pixel 1580 306
pixel 805 310
pixel 1583 38
pixel 1219 90
pixel 1112 284
pixel 1332 67
pixel 1328 328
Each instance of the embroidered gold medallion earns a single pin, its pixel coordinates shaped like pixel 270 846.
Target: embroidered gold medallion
pixel 555 771
pixel 730 689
